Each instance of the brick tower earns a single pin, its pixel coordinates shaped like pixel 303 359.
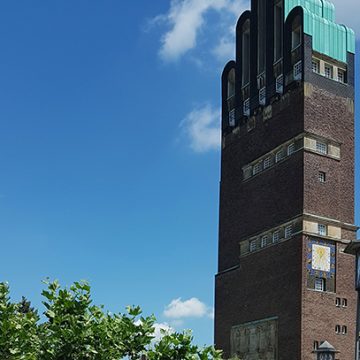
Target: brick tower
pixel 284 284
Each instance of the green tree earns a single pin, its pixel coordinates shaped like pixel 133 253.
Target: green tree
pixel 75 329
pixel 18 329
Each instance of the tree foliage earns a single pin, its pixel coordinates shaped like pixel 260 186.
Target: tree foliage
pixel 75 329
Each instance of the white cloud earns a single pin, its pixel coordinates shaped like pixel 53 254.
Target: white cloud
pixel 187 17
pixel 193 307
pixel 202 127
pixel 225 49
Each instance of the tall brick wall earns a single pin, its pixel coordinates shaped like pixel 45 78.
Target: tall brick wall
pixel 265 284
pixel 276 281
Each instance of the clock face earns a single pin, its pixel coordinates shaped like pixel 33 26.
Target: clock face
pixel 321 259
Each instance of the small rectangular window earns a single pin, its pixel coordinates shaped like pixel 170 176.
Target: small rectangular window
pixel 315 66
pixel 232 117
pixel 322 230
pixel 337 329
pixel 319 284
pixel 337 302
pixel 328 71
pixel 344 303
pixel 291 149
pixel 297 70
pixel 257 167
pixel 316 345
pixel 322 176
pixel 267 162
pixel 276 236
pixel 252 245
pixel 247 172
pixel 262 96
pixel 344 330
pixel 288 231
pixel 246 107
pixel 264 240
pixel 279 155
pixel 321 147
pixel 341 75
pixel 280 84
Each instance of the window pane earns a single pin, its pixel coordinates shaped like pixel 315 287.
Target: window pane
pixel 264 241
pixel 316 66
pixel 322 229
pixel 267 162
pixel 321 147
pixel 253 245
pixel 320 284
pixel 322 177
pixel 279 155
pixel 276 236
pixel 288 231
pixel 328 71
pixel 291 149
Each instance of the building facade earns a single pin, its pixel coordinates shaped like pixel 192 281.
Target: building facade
pixel 284 284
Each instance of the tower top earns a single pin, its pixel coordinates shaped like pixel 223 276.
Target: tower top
pixel 329 38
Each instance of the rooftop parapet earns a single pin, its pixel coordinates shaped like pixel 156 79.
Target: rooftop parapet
pixel 329 38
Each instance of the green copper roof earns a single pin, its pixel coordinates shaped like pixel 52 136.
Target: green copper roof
pixel 328 37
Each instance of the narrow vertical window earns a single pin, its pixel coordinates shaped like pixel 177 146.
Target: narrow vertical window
pixel 245 53
pixel 337 329
pixel 337 302
pixel 261 35
pixel 344 303
pixel 231 84
pixel 344 330
pixel 296 33
pixel 278 29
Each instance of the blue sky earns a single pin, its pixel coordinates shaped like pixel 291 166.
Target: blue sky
pixel 109 149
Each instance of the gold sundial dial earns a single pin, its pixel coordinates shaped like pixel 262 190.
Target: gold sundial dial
pixel 321 258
